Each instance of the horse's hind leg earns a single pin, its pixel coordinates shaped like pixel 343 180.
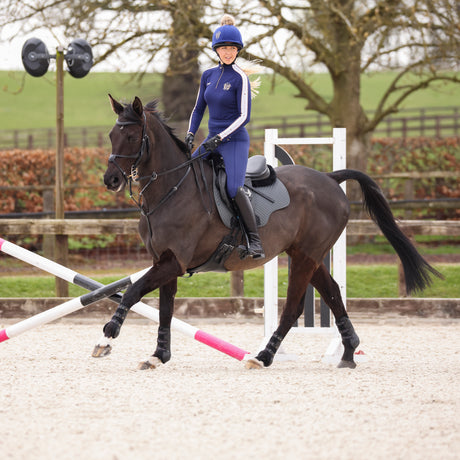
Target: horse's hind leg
pixel 329 290
pixel 162 353
pixel 299 277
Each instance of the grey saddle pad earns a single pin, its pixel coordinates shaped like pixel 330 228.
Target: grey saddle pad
pixel 265 200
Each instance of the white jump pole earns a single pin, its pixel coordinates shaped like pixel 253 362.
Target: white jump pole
pixel 339 253
pixel 68 307
pixel 89 284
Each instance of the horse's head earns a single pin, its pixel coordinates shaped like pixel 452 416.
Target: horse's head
pixel 130 144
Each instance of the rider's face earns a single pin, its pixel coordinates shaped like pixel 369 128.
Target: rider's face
pixel 227 54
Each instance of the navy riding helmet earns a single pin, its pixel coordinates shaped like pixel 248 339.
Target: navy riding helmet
pixel 227 35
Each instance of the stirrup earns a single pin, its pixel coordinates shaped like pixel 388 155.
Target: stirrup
pixel 256 253
pixel 259 255
pixel 246 251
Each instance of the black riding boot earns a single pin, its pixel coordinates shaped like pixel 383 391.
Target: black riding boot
pixel 244 206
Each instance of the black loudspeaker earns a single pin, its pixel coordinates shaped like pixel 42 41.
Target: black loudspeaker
pixel 35 57
pixel 79 58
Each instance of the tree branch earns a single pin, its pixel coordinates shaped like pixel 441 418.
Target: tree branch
pixel 315 101
pixel 407 90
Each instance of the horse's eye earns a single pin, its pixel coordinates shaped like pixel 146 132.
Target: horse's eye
pixel 132 139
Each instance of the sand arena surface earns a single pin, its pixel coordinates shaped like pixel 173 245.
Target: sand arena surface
pixel 59 402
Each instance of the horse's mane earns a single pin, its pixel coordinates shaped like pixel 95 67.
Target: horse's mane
pixel 152 107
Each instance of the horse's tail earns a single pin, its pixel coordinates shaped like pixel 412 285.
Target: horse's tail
pixel 416 269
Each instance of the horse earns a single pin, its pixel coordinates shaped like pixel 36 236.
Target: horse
pixel 181 227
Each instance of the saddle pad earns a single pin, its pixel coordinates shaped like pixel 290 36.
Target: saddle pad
pixel 263 207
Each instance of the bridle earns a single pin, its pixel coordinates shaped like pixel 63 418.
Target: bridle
pixel 134 175
pixel 145 147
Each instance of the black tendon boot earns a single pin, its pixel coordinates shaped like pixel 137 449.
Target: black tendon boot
pixel 112 328
pixel 268 354
pixel 163 351
pixel 244 206
pixel 350 341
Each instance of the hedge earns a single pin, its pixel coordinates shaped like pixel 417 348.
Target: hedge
pixel 84 167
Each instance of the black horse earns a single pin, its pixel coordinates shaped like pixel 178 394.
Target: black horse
pixel 181 227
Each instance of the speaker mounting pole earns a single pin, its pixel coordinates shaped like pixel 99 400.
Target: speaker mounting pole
pixel 79 58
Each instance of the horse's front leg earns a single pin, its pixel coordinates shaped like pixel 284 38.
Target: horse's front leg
pixel 165 271
pixel 163 351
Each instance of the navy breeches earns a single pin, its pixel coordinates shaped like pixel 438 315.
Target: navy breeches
pixel 235 152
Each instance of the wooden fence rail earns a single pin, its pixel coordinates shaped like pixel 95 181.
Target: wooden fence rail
pixel 410 175
pixel 72 227
pixel 407 203
pixel 434 122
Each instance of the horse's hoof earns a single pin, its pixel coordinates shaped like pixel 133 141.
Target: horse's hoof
pixel 254 363
pixel 152 363
pixel 346 364
pixel 101 351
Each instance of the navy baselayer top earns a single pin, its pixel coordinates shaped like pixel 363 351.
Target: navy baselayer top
pixel 226 91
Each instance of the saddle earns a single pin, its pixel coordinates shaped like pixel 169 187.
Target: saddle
pixel 266 192
pixel 267 195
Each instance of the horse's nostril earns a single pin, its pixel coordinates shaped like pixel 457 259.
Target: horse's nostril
pixel 112 181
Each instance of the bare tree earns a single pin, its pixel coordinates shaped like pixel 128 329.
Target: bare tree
pixel 418 39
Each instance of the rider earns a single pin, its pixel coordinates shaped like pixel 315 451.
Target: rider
pixel 226 91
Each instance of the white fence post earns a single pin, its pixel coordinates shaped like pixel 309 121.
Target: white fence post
pixel 338 142
pixel 271 267
pixel 339 253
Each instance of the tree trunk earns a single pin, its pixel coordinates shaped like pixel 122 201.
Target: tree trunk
pixel 347 112
pixel 181 80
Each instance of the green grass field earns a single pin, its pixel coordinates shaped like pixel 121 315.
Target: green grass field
pixel 28 102
pixel 426 244
pixel 380 281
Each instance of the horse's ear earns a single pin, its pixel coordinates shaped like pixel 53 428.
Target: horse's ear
pixel 116 106
pixel 138 107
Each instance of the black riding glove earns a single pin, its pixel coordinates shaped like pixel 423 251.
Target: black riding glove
pixel 189 138
pixel 213 143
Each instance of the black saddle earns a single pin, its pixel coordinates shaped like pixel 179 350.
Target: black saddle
pixel 258 171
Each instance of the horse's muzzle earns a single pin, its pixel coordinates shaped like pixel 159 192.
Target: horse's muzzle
pixel 114 181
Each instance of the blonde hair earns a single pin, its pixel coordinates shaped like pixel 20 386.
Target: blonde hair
pixel 227 20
